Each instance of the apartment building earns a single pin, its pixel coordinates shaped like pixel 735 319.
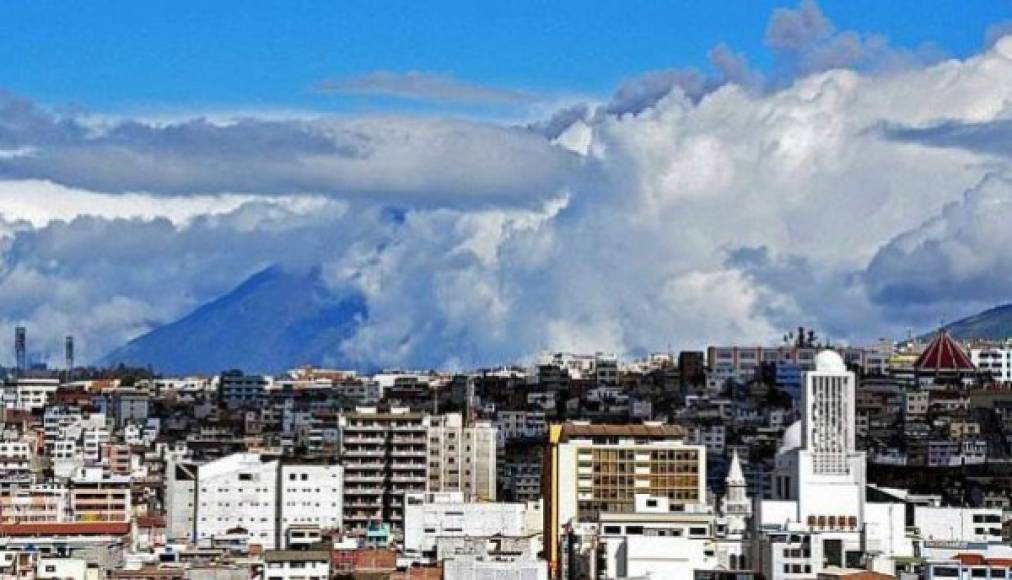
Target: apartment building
pixel 993 360
pixel 35 504
pixel 96 496
pixel 741 363
pixel 431 516
pixel 252 496
pixel 592 470
pixel 117 458
pixel 15 462
pixel 462 458
pixel 28 393
pixel 520 425
pixel 236 389
pixel 385 455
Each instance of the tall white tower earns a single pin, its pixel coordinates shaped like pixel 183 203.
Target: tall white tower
pixel 829 417
pixel 818 465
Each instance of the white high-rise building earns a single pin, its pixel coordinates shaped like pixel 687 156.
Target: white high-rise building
pixel 250 495
pixel 818 467
pixel 817 517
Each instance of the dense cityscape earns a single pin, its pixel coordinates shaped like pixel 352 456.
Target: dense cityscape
pixel 789 461
pixel 522 290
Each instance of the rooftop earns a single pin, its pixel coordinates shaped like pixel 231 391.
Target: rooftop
pixel 943 354
pixel 66 529
pixel 296 556
pixel 649 431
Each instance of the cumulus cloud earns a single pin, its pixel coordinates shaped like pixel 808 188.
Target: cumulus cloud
pixel 851 201
pixel 426 86
pixel 803 41
pixel 955 258
pixel 996 32
pixel 798 29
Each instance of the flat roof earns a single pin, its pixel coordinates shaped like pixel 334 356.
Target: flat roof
pixel 66 529
pixel 577 430
pixel 296 556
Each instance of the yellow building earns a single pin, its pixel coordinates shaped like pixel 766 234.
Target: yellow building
pixel 599 469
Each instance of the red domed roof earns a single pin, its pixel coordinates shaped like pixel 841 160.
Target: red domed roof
pixel 944 354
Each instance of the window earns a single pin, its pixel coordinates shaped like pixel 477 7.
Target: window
pixel 634 530
pixel 613 529
pixel 997 572
pixel 245 477
pixel 947 571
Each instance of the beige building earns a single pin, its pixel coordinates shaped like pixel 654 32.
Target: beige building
pixel 38 504
pixel 385 455
pixel 98 497
pixel 392 452
pixel 462 458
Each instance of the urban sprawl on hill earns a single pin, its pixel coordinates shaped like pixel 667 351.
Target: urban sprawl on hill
pixel 800 460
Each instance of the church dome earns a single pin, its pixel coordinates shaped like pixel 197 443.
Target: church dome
pixel 829 361
pixel 792 438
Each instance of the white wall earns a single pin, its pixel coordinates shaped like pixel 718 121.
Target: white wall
pixel 941 523
pixel 434 515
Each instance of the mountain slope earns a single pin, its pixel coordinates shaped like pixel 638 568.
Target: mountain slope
pixel 271 322
pixel 991 324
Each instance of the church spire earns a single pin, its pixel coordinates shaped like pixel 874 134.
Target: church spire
pixel 734 474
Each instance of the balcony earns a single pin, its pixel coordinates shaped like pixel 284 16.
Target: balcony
pixel 363 453
pixel 364 478
pixel 409 440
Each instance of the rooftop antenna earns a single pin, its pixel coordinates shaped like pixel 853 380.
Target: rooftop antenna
pixel 69 354
pixel 20 354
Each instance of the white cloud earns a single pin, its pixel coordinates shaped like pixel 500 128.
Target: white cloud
pixel 729 215
pixel 39 202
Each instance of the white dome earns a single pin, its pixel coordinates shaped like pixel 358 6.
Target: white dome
pixel 829 361
pixel 792 438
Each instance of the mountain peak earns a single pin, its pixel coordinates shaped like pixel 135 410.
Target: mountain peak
pixel 274 320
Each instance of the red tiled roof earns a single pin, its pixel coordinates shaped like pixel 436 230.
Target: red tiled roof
pixel 944 354
pixel 66 529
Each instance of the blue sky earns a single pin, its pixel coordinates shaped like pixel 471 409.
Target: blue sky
pixel 139 56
